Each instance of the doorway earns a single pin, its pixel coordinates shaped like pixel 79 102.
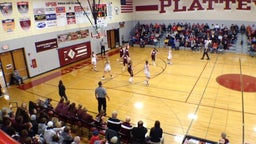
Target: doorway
pixel 13 60
pixel 113 38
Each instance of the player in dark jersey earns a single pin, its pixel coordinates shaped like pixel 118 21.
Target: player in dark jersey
pixel 126 50
pixel 130 70
pixel 125 60
pixel 121 53
pixel 153 56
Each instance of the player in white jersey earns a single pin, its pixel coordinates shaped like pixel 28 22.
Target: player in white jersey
pixel 94 61
pixel 169 57
pixel 107 69
pixel 147 73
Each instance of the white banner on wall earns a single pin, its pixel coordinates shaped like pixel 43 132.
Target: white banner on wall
pixel 59 13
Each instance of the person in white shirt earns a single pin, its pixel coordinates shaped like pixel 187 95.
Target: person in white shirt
pixel 147 73
pixel 206 49
pixel 107 69
pixel 94 61
pixel 169 57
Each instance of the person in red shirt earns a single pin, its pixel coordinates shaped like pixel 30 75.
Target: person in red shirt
pixel 95 137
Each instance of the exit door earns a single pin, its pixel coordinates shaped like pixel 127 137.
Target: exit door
pixel 113 38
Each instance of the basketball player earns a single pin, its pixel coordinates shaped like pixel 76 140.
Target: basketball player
pixel 169 57
pixel 126 50
pixel 153 56
pixel 130 70
pixel 107 69
pixel 147 73
pixel 121 53
pixel 93 61
pixel 125 60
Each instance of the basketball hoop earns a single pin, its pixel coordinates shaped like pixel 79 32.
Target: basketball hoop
pixel 99 32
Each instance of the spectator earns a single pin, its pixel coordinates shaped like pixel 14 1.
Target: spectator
pixel 47 103
pixel 29 128
pixel 114 123
pixel 114 140
pixel 33 121
pixel 19 124
pixel 156 133
pixel 95 137
pixel 100 121
pixel 224 139
pixel 126 129
pixel 66 136
pixel 76 140
pixel 7 127
pixel 42 126
pixel 50 131
pixel 23 136
pixel 24 112
pixel 139 133
pixel 17 77
pixel 111 136
pixel 55 139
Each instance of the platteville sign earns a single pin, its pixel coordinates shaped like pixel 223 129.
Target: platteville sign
pixel 197 5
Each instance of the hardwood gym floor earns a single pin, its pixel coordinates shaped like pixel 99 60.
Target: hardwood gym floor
pixel 188 86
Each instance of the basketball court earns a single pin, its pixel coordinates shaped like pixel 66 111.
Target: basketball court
pixel 194 97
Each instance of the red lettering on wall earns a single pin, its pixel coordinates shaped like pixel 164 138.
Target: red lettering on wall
pixel 254 2
pixel 227 3
pixel 242 5
pixel 210 3
pixel 162 5
pixel 176 6
pixel 195 5
pixel 200 5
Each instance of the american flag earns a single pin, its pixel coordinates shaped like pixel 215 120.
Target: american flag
pixel 126 6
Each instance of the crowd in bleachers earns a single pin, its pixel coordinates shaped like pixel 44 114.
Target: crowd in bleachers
pixel 41 123
pixel 193 35
pixel 189 35
pixel 251 35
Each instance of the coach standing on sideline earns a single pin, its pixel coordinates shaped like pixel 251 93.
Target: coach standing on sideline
pixel 100 95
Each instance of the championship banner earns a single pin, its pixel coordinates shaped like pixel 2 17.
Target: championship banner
pixel 25 23
pixel 22 7
pixel 8 25
pixel 6 8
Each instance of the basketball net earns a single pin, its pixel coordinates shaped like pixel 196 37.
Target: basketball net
pixel 100 30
